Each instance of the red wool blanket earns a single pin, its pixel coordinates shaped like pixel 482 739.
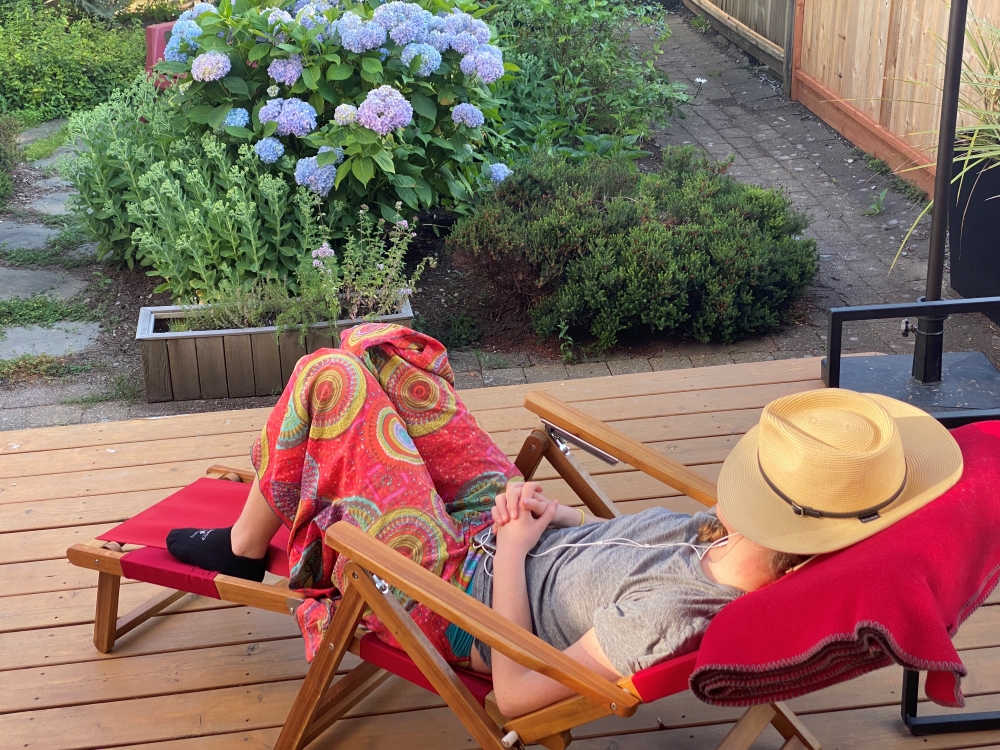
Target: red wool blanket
pixel 899 596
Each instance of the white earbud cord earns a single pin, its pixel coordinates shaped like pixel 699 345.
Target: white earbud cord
pixel 699 549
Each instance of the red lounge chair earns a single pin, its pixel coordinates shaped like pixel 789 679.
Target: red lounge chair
pixel 321 701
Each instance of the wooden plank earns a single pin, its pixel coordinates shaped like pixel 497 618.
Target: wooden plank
pixel 611 387
pixel 290 351
pixel 167 632
pixel 184 369
pixel 138 453
pixel 156 371
pixel 317 339
pixel 239 366
pixel 59 608
pixel 98 481
pixel 266 364
pixel 134 430
pixel 788 61
pixel 660 405
pixel 43 576
pixel 212 367
pixel 62 513
pixel 756 44
pixel 47 544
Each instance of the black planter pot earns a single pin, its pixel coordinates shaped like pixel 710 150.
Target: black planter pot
pixel 974 234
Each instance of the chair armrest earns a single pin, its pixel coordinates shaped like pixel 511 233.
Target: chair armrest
pixel 622 447
pixel 476 618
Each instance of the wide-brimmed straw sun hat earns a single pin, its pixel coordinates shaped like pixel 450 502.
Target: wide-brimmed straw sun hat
pixel 827 468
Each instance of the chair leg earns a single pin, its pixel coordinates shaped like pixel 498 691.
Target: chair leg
pixel 472 715
pixel 106 614
pixel 128 622
pixel 331 652
pixel 556 741
pixel 343 695
pixel 789 726
pixel 747 728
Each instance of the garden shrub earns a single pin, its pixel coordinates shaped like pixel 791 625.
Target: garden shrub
pixel 9 128
pixel 583 86
pixel 600 248
pixel 51 65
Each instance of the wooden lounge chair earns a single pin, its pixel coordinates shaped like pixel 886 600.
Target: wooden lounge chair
pixel 374 568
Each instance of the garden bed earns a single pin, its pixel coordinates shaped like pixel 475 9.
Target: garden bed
pixel 232 363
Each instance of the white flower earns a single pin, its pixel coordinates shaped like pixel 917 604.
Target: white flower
pixel 701 80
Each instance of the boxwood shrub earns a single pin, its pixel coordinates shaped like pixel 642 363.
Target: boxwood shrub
pixel 600 248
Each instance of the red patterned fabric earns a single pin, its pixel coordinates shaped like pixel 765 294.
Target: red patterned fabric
pixel 898 596
pixel 374 434
pixel 205 504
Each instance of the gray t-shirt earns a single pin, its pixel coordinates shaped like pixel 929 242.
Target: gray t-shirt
pixel 645 605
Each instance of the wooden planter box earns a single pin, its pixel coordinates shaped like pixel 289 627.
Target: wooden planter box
pixel 234 363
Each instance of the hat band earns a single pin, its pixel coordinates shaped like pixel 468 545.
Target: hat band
pixel 805 510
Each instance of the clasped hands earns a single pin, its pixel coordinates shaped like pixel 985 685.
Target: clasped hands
pixel 522 513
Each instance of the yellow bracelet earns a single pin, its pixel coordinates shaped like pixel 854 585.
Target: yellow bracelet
pixel 583 517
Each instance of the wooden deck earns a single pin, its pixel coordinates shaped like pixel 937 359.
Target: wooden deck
pixel 211 675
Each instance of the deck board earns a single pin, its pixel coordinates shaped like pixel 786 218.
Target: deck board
pixel 207 674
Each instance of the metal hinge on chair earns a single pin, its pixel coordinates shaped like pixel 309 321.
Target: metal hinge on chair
pixel 563 439
pixel 382 586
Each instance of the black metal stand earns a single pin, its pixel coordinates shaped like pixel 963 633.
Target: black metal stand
pixel 924 725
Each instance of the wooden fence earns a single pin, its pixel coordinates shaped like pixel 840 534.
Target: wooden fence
pixel 873 69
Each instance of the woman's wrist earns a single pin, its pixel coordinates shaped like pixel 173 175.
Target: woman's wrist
pixel 567 516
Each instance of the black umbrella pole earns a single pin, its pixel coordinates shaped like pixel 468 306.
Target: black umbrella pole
pixel 930 330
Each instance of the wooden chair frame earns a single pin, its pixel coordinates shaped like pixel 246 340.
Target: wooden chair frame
pixel 374 568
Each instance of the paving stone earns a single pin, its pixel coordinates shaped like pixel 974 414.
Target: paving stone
pixel 698 349
pixel 62 338
pixel 744 357
pixel 587 370
pixel 22 282
pixel 52 204
pixel 506 376
pixel 44 393
pixel 38 132
pixel 54 182
pixel 31 417
pixel 629 366
pixel 708 360
pixel 670 363
pixel 756 344
pixel 28 236
pixel 467 380
pixel 464 362
pixel 545 373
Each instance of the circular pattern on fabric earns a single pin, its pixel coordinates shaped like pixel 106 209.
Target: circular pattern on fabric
pixel 361 510
pixel 367 331
pixel 415 534
pixel 332 389
pixel 393 439
pixel 423 404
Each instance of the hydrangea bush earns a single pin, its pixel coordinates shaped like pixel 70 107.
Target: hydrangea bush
pixel 356 102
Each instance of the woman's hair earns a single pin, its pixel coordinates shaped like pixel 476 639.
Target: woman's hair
pixel 778 563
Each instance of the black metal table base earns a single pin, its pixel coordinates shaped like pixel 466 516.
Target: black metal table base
pixel 924 725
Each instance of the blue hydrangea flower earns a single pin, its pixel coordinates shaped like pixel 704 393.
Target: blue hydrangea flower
pixel 382 54
pixel 268 150
pixel 319 179
pixel 404 21
pixel 430 58
pixel 271 111
pixel 237 118
pixel 499 173
pixel 297 118
pixel 198 9
pixel 360 36
pixel 278 16
pixel 345 114
pixel 467 114
pixel 486 62
pixel 185 30
pixel 210 66
pixel 286 71
pixel 384 110
pixel 464 43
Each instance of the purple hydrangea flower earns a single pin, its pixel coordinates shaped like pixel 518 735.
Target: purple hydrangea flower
pixel 294 116
pixel 468 115
pixel 278 16
pixel 211 66
pixel 499 173
pixel 345 114
pixel 463 43
pixel 430 58
pixel 286 71
pixel 319 179
pixel 237 118
pixel 437 39
pixel 360 36
pixel 198 9
pixel 384 110
pixel 268 150
pixel 486 62
pixel 404 21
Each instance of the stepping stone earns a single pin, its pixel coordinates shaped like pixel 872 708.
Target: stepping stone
pixel 54 182
pixel 62 338
pixel 29 236
pixel 52 204
pixel 50 162
pixel 23 282
pixel 40 131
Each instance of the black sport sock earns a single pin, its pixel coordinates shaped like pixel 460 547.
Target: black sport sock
pixel 212 549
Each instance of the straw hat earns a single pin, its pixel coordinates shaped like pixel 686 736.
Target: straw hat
pixel 827 468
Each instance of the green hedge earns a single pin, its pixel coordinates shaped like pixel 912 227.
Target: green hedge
pixel 51 66
pixel 601 248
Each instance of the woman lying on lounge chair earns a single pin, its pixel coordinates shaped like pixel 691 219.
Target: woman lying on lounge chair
pixel 375 434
